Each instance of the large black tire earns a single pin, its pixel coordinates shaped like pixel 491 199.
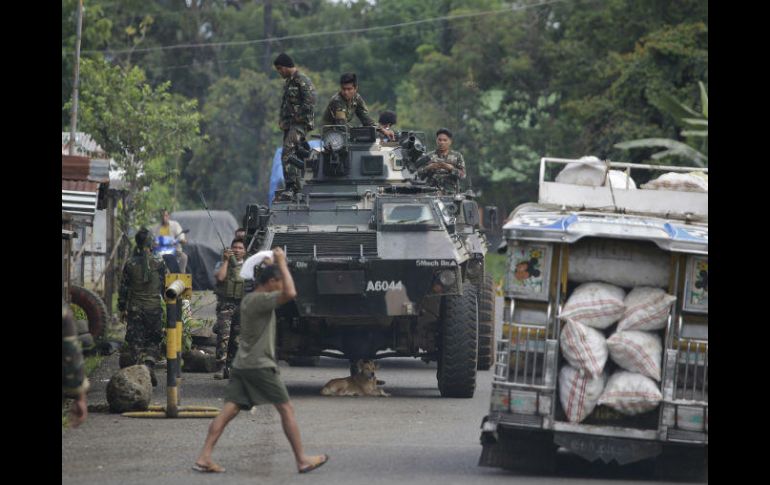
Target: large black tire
pixel 96 311
pixel 458 344
pixel 524 451
pixel 304 361
pixel 486 323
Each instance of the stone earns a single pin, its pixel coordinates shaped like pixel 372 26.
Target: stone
pixel 86 341
pixel 198 360
pixel 130 389
pixel 81 326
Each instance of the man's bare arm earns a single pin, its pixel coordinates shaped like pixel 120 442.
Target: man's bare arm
pixel 289 291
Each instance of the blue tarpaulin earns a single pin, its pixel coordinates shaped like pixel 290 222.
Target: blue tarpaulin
pixel 276 175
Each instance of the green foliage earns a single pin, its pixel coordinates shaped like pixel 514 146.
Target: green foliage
pixel 143 128
pixel 514 84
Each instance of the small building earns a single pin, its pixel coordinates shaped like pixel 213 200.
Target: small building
pixel 90 190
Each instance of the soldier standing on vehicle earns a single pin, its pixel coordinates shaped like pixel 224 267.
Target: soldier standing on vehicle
pixel 296 117
pixel 139 299
pixel 348 103
pixel 444 167
pixel 74 383
pixel 255 378
pixel 229 293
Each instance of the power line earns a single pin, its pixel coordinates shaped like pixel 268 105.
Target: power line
pixel 333 32
pixel 248 58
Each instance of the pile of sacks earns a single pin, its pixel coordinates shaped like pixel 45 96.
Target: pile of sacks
pixel 635 346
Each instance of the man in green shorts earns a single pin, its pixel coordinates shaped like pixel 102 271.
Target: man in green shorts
pixel 255 378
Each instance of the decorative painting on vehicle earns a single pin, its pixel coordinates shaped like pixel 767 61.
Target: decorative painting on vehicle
pixel 697 297
pixel 527 271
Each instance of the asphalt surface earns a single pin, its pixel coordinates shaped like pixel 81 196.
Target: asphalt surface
pixel 414 436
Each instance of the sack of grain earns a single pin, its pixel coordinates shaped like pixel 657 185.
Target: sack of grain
pixel 619 180
pixel 684 182
pixel 597 305
pixel 646 308
pixel 584 347
pixel 636 351
pixel 630 393
pixel 588 171
pixel 579 392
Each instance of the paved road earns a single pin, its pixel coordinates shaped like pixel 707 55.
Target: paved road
pixel 414 436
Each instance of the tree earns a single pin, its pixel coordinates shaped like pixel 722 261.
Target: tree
pixel 144 129
pixel 695 122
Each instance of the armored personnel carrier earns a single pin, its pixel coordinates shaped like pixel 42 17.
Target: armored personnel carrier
pixel 384 266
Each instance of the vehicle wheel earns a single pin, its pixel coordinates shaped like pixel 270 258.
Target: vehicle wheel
pixel 486 323
pixel 682 463
pixel 525 451
pixel 92 304
pixel 458 344
pixel 304 361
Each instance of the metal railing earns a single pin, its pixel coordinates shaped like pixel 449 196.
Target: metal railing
pixel 691 371
pixel 521 357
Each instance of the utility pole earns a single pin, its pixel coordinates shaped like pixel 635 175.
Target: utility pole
pixel 74 118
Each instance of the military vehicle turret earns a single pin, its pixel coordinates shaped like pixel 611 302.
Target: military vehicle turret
pixel 384 266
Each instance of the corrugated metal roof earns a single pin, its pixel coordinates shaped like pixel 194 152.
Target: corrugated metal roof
pixel 81 168
pixel 84 145
pixel 79 185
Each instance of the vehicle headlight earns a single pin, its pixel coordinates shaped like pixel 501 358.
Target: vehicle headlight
pixel 447 277
pixel 334 140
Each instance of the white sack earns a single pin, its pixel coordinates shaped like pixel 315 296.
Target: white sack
pixel 636 351
pixel 587 171
pixel 597 305
pixel 584 347
pixel 684 182
pixel 646 308
pixel 579 393
pixel 618 180
pixel 630 393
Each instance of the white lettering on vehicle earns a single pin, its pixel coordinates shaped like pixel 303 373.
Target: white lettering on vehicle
pixel 436 263
pixel 384 285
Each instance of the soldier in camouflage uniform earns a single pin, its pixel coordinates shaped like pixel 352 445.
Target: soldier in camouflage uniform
pixel 74 383
pixel 296 117
pixel 229 293
pixel 140 294
pixel 444 168
pixel 347 103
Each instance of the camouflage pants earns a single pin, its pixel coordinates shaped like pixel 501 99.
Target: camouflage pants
pixel 144 332
pixel 228 329
pixel 291 138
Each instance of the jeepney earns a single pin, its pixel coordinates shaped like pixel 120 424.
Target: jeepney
pixel 621 236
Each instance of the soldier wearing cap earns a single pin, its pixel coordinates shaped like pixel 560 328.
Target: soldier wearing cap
pixel 444 167
pixel 139 299
pixel 296 116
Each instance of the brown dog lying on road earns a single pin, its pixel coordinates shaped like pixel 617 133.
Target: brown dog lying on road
pixel 362 384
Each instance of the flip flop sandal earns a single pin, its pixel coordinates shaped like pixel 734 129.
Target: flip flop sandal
pixel 313 467
pixel 213 468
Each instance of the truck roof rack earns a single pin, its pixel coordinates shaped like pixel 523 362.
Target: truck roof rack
pixel 659 203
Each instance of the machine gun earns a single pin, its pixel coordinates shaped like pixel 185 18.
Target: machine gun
pixel 413 150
